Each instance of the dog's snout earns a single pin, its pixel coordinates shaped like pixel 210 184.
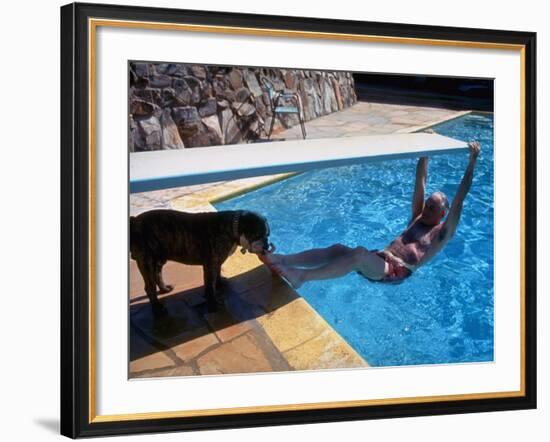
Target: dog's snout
pixel 268 247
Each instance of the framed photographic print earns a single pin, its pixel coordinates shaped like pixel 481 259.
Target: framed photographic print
pixel 275 220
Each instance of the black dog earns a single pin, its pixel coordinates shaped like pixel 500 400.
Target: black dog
pixel 205 239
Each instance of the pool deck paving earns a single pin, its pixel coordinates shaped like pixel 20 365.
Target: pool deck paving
pixel 266 325
pixel 257 332
pixel 365 118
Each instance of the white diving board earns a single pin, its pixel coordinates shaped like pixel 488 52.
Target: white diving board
pixel 173 168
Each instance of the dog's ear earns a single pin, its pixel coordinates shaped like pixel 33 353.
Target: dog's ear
pixel 243 242
pixel 246 220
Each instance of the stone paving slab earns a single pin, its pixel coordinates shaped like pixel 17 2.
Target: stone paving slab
pixel 192 348
pixel 295 316
pixel 152 360
pixel 242 355
pixel 180 370
pixel 268 296
pixel 323 352
pixel 224 325
pixel 182 324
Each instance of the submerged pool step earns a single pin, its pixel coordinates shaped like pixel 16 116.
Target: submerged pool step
pixel 173 168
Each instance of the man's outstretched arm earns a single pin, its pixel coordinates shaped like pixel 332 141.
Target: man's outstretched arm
pixel 419 187
pixel 449 228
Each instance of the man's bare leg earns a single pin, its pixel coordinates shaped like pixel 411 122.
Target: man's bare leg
pixel 359 259
pixel 310 258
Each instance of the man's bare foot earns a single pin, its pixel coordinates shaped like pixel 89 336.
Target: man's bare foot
pixel 274 258
pixel 294 277
pixel 271 260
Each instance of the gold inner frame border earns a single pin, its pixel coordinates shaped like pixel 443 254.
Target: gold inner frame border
pixel 93 24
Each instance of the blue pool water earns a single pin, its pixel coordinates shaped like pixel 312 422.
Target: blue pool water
pixel 444 312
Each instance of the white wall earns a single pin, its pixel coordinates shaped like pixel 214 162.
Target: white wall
pixel 29 80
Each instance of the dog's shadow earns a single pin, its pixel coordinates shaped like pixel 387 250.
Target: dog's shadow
pixel 247 296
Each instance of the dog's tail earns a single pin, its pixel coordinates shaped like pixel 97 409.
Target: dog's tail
pixel 134 230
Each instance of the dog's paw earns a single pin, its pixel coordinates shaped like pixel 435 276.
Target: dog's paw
pixel 166 289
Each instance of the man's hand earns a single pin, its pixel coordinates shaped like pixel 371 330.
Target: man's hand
pixel 475 149
pixel 453 218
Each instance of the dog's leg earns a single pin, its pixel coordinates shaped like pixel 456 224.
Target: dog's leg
pixel 163 288
pixel 213 298
pixel 148 271
pixel 221 282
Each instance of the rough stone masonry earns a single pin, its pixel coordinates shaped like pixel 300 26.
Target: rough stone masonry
pixel 176 106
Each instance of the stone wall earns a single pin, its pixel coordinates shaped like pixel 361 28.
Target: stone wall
pixel 176 106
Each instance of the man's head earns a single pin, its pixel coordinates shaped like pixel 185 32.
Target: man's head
pixel 435 208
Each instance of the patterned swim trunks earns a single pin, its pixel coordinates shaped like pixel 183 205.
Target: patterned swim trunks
pixel 395 273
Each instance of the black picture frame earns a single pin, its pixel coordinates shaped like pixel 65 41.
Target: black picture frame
pixel 77 415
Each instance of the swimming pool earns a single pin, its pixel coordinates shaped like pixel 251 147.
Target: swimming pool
pixel 444 312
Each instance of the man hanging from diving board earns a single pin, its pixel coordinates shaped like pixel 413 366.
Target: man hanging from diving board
pixel 423 238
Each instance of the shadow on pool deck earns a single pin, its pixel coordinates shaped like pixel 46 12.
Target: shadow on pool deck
pixel 265 327
pixel 247 296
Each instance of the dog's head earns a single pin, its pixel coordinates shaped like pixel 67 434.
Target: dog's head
pixel 254 232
